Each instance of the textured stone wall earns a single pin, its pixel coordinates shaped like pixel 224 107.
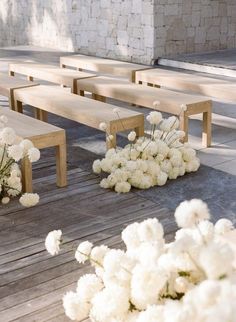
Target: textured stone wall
pixel 133 30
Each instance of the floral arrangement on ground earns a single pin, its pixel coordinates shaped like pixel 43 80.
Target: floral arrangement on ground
pixel 12 150
pixel 150 160
pixel 190 279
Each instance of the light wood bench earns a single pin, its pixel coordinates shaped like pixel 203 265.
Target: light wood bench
pixel 43 135
pixel 50 73
pixel 170 101
pixel 221 89
pixel 102 65
pixel 81 109
pixel 8 84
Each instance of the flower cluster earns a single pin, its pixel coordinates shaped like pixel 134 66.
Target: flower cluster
pixel 148 161
pixel 12 150
pixel 189 279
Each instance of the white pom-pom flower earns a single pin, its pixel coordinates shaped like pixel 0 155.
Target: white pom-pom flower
pixel 83 251
pixel 29 199
pixel 53 241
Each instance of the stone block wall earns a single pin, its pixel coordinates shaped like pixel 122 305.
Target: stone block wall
pixel 133 30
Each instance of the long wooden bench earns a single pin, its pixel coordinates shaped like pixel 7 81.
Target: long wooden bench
pixel 50 73
pixel 221 89
pixel 169 101
pixel 42 135
pixel 8 84
pixel 81 109
pixel 102 65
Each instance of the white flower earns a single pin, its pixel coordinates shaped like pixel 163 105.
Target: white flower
pixel 150 230
pixel 154 117
pixel 29 199
pixel 97 255
pixel 116 110
pixel 104 183
pixel 52 242
pixel 122 187
pixel 223 226
pixel 75 309
pixel 5 200
pixel 7 136
pixel 88 286
pixel 189 213
pixel 97 166
pixel 130 236
pixel 15 152
pixel 110 137
pixel 154 313
pixel 83 251
pixel 102 126
pixel 132 136
pixel 33 154
pixel 162 178
pixel 181 285
pixel 26 145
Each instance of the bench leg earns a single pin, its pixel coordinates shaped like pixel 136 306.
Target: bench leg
pixel 61 165
pixel 26 170
pixel 11 101
pixel 10 73
pixel 183 120
pixel 81 93
pixel 206 134
pixel 62 65
pixel 30 78
pixel 111 143
pixel 18 106
pixel 41 115
pixel 139 130
pixel 99 98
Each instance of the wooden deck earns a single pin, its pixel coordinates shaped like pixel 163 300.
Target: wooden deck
pixel 32 282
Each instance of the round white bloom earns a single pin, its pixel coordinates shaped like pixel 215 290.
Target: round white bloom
pixel 106 165
pixel 154 117
pixel 7 136
pixel 122 187
pixel 15 152
pixel 154 313
pixel 189 213
pixel 188 154
pixel 205 231
pixel 145 182
pixel 111 302
pixel 193 165
pixel 173 173
pixel 181 285
pixel 88 286
pixel 130 236
pixel 97 166
pixel 223 226
pixel 104 184
pixel 52 242
pixel 97 255
pixel 162 178
pixel 146 284
pixel 116 110
pixel 74 308
pixel 110 137
pixel 150 230
pixel 33 154
pixel 26 145
pixel 110 153
pixel 216 260
pixel 5 200
pixel 132 136
pixel 102 126
pixel 148 253
pixel 83 251
pixel 29 199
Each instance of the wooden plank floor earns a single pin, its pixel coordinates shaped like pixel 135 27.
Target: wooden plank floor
pixel 32 282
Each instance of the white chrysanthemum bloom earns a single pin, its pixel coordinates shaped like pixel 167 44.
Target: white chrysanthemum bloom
pixel 153 313
pixel 3 119
pixel 150 230
pixel 181 285
pixel 110 153
pixel 146 284
pixel 29 199
pixel 131 166
pixel 26 145
pixel 134 154
pixel 15 152
pixel 130 236
pixel 83 251
pixel 216 259
pixel 52 242
pixel 148 253
pixel 205 231
pixel 157 134
pixel 166 166
pixel 132 136
pixel 7 136
pixel 111 302
pixel 102 126
pixel 154 117
pixel 173 173
pixel 106 165
pixel 104 184
pixel 115 263
pixel 97 166
pixel 116 110
pixel 162 148
pixel 5 200
pixel 193 165
pixel 223 226
pixel 97 255
pixel 146 182
pixel 74 308
pixel 162 178
pixel 189 213
pixel 33 154
pixel 122 187
pixel 15 186
pixel 188 154
pixel 88 286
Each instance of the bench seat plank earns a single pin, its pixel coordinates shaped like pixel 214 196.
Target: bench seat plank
pixel 81 109
pixel 43 135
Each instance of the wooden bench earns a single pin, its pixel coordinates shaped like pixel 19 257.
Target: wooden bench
pixel 170 101
pixel 81 109
pixel 102 65
pixel 8 84
pixel 42 135
pixel 221 89
pixel 50 73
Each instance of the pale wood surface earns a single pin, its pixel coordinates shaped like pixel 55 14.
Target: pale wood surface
pixel 8 83
pixel 81 109
pixel 42 135
pixel 50 73
pixel 102 65
pixel 222 89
